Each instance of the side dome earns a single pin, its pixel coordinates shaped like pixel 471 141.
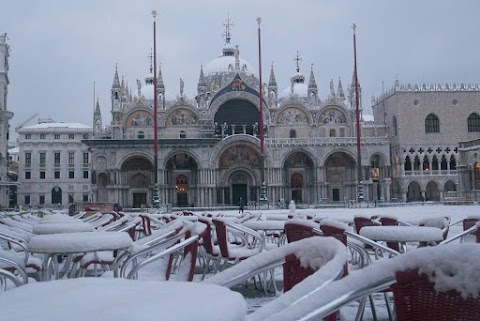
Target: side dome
pixel 297 87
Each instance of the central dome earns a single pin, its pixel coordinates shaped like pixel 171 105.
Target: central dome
pixel 225 64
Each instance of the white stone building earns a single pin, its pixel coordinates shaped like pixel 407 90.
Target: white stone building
pixel 5 116
pixel 425 125
pixel 55 165
pixel 210 149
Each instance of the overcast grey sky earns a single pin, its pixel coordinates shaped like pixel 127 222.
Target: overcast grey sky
pixel 59 48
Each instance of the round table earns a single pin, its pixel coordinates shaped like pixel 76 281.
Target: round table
pixel 121 300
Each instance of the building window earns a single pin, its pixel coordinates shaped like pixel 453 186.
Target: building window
pixel 28 136
pixel 474 123
pixel 333 133
pixel 28 158
pixel 293 133
pixel 71 174
pixel 85 158
pixel 71 158
pixel 57 174
pixel 71 199
pixel 85 197
pixel 56 158
pixel 41 199
pixel 42 175
pixel 27 199
pixel 85 136
pixel 71 136
pixel 141 135
pixel 85 174
pixel 43 136
pixel 395 126
pixel 183 134
pixel 56 136
pixel 43 157
pixel 432 124
pixel 28 175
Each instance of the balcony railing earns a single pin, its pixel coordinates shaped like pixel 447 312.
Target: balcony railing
pixel 326 141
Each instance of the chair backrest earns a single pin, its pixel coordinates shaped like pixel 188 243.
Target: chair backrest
pixel 337 230
pixel 298 230
pixel 222 236
pixel 390 221
pixel 468 223
pixel 360 222
pixel 416 299
pixel 439 222
pixel 207 241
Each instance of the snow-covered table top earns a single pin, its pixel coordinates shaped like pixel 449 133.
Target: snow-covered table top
pixel 79 242
pixel 62 227
pixel 121 300
pixel 402 233
pixel 265 225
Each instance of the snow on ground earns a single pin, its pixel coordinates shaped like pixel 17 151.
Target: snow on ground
pixel 411 214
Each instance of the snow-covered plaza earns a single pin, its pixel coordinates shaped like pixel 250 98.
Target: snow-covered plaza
pixel 207 297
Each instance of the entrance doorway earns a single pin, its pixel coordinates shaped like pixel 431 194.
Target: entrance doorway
pixel 139 200
pixel 336 194
pixel 56 196
pixel 297 196
pixel 182 199
pixel 239 190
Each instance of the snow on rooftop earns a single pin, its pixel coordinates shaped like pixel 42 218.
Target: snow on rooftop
pixel 58 125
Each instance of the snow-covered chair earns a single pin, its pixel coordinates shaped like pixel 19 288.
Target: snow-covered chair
pixel 437 283
pixel 236 242
pixel 324 256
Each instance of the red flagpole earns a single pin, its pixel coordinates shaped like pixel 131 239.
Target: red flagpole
pixel 263 187
pixel 357 111
pixel 156 200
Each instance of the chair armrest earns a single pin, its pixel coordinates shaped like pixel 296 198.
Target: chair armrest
pixel 372 243
pixel 170 250
pixel 12 277
pixel 248 231
pixel 17 267
pixel 18 242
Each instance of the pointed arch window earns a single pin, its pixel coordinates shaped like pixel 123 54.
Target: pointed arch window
pixel 435 163
pixel 416 164
pixel 443 164
pixel 432 124
pixel 293 133
pixel 426 164
pixel 453 163
pixel 408 164
pixel 473 123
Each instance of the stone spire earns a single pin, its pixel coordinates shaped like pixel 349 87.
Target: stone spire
pixel 97 121
pixel 160 88
pixel 201 79
pixel 340 92
pixel 312 90
pixel 116 80
pixel 352 93
pixel 272 89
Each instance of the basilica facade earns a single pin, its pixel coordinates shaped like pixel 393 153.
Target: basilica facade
pixel 209 146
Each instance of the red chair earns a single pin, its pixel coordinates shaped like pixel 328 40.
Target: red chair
pixel 468 223
pixel 210 252
pixel 236 242
pixel 390 221
pixel 297 229
pixel 417 300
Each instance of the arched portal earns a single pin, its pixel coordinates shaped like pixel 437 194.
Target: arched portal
pixel 56 195
pixel 102 193
pixel 432 193
pixel 138 172
pixel 182 179
pixel 300 175
pixel 341 176
pixel 414 193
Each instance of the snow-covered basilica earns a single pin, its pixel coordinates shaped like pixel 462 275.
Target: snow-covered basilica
pixel 209 145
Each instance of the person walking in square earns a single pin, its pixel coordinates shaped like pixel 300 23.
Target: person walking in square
pixel 240 205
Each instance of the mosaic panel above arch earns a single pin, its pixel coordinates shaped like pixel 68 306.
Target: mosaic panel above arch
pixel 292 115
pixel 299 159
pixel 332 116
pixel 240 154
pixel 139 119
pixel 181 117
